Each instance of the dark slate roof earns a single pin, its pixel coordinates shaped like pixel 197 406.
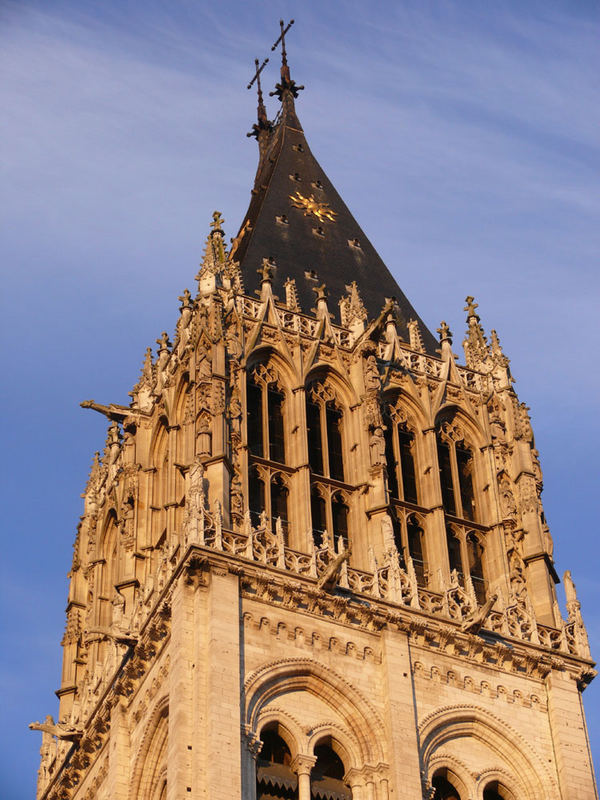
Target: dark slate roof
pixel 287 166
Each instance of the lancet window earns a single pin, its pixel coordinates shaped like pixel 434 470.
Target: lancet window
pixel 330 508
pixel 466 558
pixel 265 409
pixel 324 421
pixel 400 454
pixel 455 461
pixel 266 421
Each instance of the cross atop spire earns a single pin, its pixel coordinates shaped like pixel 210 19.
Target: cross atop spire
pixel 470 308
pixel 263 122
pixel 286 84
pixel 282 40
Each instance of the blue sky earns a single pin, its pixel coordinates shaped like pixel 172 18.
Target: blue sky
pixel 463 137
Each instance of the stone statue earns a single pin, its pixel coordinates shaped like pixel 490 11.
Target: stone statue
pixel 377 447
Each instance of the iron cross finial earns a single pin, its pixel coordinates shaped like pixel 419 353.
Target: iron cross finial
pixel 256 77
pixel 282 40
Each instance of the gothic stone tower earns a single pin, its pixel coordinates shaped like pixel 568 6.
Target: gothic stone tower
pixel 313 561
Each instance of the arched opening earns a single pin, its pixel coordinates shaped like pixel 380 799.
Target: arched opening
pixel 496 791
pixel 456 470
pixel 324 419
pixel 444 789
pixel 274 777
pixel 265 401
pixel 400 454
pixel 327 775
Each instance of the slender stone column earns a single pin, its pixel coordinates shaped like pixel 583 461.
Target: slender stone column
pixel 302 766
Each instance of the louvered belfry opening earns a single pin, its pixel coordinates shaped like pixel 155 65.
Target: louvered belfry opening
pixel 274 777
pixel 326 780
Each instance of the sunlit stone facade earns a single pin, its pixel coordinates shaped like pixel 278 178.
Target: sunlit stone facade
pixel 313 560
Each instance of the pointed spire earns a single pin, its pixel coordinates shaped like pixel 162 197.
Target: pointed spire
pixel 475 344
pixel 215 256
pixel 287 87
pixel 445 341
pixel 352 309
pixel 291 295
pixel 415 337
pixel 147 366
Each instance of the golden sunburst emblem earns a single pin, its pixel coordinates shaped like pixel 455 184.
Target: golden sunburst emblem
pixel 311 206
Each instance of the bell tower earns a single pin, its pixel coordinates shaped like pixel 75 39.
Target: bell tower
pixel 313 560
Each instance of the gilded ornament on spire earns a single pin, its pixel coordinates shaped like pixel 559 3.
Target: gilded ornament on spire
pixel 311 206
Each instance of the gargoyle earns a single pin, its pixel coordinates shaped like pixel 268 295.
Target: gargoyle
pixel 474 622
pixel 329 578
pixel 118 637
pixel 60 730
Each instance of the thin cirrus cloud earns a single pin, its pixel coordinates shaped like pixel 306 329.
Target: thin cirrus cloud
pixel 462 135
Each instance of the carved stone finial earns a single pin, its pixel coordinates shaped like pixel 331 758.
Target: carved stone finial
pixel 320 292
pixel 163 343
pixel 266 270
pixel 352 309
pixel 415 337
pixel 570 590
pixel 185 300
pixel 217 223
pixel 444 332
pixel 291 295
pixel 470 308
pixel 475 344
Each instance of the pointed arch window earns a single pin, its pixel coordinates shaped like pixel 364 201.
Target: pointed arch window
pixel 265 405
pixel 325 441
pixel 455 462
pixel 400 454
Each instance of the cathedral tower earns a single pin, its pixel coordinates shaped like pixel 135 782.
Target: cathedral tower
pixel 313 560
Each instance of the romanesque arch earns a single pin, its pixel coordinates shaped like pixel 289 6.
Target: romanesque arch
pixel 493 749
pixel 356 720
